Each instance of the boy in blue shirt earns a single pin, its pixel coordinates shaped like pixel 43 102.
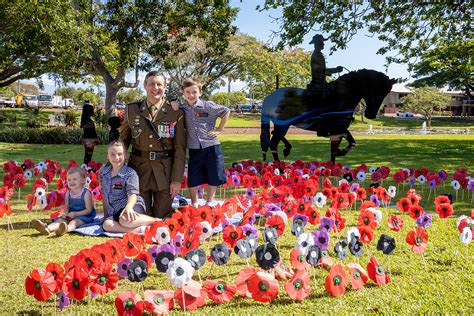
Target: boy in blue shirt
pixel 206 160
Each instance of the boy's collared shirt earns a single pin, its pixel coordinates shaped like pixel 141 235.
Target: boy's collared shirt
pixel 201 119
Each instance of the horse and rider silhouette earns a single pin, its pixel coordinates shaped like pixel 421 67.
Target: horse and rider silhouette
pixel 326 108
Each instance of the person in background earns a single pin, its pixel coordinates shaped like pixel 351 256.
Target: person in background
pixel 89 135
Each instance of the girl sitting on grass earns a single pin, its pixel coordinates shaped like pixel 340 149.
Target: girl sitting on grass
pixel 124 208
pixel 78 204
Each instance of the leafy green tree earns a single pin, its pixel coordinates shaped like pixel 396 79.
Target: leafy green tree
pixel 205 63
pixel 6 92
pixel 110 38
pixel 425 101
pixel 260 66
pixel 67 92
pixel 446 65
pixel 408 28
pixel 130 95
pixel 85 94
pixel 229 98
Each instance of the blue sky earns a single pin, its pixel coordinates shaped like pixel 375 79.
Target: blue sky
pixel 360 53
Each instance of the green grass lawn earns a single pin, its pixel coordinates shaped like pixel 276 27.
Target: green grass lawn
pixel 436 282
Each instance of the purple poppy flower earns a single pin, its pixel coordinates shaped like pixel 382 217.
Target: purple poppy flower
pixel 177 243
pixel 443 175
pixel 432 184
pixel 375 199
pixel 272 207
pixel 312 169
pixel 300 172
pixel 250 230
pixel 249 193
pixel 92 294
pixel 347 169
pixel 470 185
pixel 167 248
pixel 326 223
pixel 235 180
pixel 122 267
pixel 411 182
pixel 321 239
pixel 224 224
pixel 354 187
pixel 424 220
pixel 153 251
pixel 200 192
pixel 302 218
pixel 63 300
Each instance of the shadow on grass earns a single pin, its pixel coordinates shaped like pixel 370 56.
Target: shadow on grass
pixel 17 225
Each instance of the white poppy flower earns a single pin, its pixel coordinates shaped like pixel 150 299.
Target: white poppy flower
pixel 455 184
pixel 466 235
pixel 372 170
pixel 180 272
pixel 305 176
pixel 276 171
pixel 41 165
pixel 88 181
pixel 320 199
pixel 305 240
pixel 352 232
pixel 28 174
pixel 460 218
pixel 392 191
pixel 360 175
pixel 377 213
pixel 40 192
pixel 162 235
pixel 42 202
pixel 206 231
pixel 407 171
pixel 421 179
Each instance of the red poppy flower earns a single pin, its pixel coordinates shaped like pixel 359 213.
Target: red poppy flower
pixel 358 275
pixel 339 222
pixel 313 215
pixel 134 244
pixel 19 180
pixel 173 226
pixel 129 303
pixel 145 256
pixel 276 222
pixel 310 188
pixel 327 193
pixel 413 197
pixel 41 284
pixel 116 249
pixel 415 211
pixel 395 223
pixel 202 213
pixel 231 235
pixel 377 272
pixel 159 302
pixel 255 182
pixel 367 218
pixel 103 279
pixel 444 210
pixel 190 302
pixel 440 199
pixel 366 204
pixel 366 234
pixel 75 282
pixel 382 194
pixel 58 273
pixel 189 244
pixel 404 205
pixel 242 281
pixel 336 281
pixel 89 257
pixel 399 176
pixel 103 253
pixel 417 239
pixel 219 291
pixel 299 286
pixel 263 287
pixel 182 219
pixel 326 173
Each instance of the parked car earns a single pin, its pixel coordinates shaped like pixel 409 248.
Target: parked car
pixel 30 101
pixel 405 114
pixel 243 108
pixel 6 102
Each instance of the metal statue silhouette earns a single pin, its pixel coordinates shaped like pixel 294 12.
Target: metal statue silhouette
pixel 326 108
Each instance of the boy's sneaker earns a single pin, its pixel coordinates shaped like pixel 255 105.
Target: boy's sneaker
pixel 40 226
pixel 62 229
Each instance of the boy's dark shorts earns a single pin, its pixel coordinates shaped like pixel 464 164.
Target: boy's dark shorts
pixel 137 208
pixel 206 165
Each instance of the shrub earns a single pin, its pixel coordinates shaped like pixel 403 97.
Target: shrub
pixel 100 118
pixel 70 118
pixel 44 135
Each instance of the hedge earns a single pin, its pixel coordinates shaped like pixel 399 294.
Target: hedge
pixel 48 135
